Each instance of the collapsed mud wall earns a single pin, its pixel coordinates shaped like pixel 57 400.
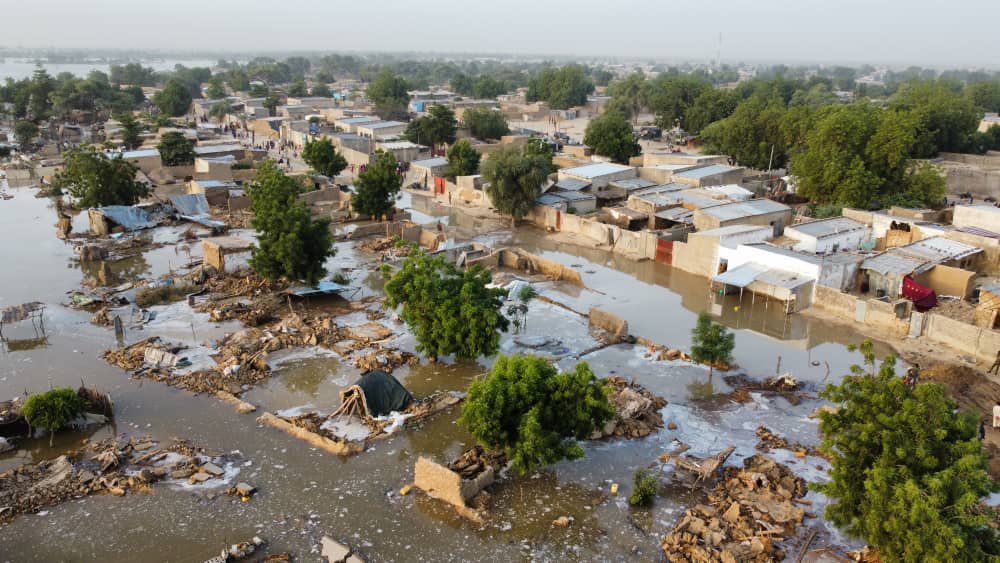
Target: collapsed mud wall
pixel 518 259
pixel 613 324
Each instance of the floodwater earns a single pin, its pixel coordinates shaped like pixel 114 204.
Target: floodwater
pixel 305 494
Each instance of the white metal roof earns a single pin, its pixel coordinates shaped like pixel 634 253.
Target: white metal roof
pixel 596 170
pixel 825 227
pixel 749 208
pixel 705 171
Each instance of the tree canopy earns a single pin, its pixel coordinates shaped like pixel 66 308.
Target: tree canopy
pixel 321 90
pixel 534 414
pixel 25 131
pixel 130 130
pixel 96 180
pixel 907 468
pixel 515 179
pixel 485 123
pixel 176 149
pixel 53 409
pixel 450 311
pixel 175 98
pixel 376 188
pixel 610 135
pixel 711 343
pixel 321 155
pixel 290 243
pixel 216 88
pixel 562 88
pixel 463 160
pixel 435 128
pixel 298 88
pixel 389 94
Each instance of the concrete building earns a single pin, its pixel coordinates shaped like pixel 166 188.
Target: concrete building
pixel 655 158
pixel 350 124
pixel 314 102
pixel 772 272
pixel 982 215
pixel 762 212
pixel 989 120
pixel 380 129
pixel 404 151
pixel 430 168
pixel 216 151
pixel 701 253
pixel 146 159
pixel 712 175
pixel 828 235
pixel 938 263
pixel 599 174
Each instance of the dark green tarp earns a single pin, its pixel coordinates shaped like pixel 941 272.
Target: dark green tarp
pixel 383 393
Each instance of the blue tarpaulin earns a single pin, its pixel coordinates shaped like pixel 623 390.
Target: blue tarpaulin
pixel 194 207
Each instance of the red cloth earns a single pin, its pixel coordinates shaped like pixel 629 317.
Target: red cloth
pixel 923 297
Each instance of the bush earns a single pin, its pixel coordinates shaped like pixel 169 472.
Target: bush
pixel 644 489
pixel 341 278
pixel 149 296
pixel 53 409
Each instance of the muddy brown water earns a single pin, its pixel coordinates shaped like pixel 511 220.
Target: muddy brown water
pixel 305 494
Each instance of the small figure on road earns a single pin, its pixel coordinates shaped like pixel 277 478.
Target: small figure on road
pixel 996 364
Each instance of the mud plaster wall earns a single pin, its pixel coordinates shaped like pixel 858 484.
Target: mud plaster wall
pixel 443 483
pixel 521 260
pixel 613 324
pixel 834 301
pixel 866 217
pixel 883 315
pixel 966 338
pixel 637 245
pixel 946 280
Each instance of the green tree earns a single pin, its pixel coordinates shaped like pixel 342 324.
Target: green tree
pixel 176 149
pixel 711 343
pixel 220 110
pixel 96 180
pixel 238 80
pixel 485 123
pixel 610 135
pixel 175 98
pixel 290 243
pixel 216 89
pixel 321 155
pixel 630 94
pixel 562 88
pixel 376 188
pixel 321 90
pixel 534 414
pixel 298 89
pixel 515 179
pixel 435 128
pixel 907 470
pixel 25 131
pixel 130 130
pixel 985 95
pixel 488 88
pixel 947 119
pixel 324 78
pixel 671 95
pixel 259 91
pixel 463 160
pixel 271 102
pixel 752 135
pixel 53 409
pixel 450 311
pixel 644 489
pixel 42 87
pixel 390 95
pixel 709 107
pixel 463 84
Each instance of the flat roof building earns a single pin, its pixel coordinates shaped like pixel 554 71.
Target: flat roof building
pixel 752 212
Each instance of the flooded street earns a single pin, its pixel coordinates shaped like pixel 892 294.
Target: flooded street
pixel 304 493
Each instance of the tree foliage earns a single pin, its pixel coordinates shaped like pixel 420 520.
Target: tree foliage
pixel 907 469
pixel 946 119
pixel 175 98
pixel 321 155
pixel 25 131
pixel 389 94
pixel 711 343
pixel 176 149
pixel 485 123
pixel 450 311
pixel 610 135
pixel 130 130
pixel 53 409
pixel 290 243
pixel 376 188
pixel 216 88
pixel 321 90
pixel 644 488
pixel 670 96
pixel 298 89
pixel 463 160
pixel 435 128
pixel 533 413
pixel 562 88
pixel 96 180
pixel 515 179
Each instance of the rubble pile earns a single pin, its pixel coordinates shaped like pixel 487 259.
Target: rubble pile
pixel 785 386
pixel 673 354
pixel 475 460
pixel 115 465
pixel 251 299
pixel 750 511
pixel 637 411
pixel 770 440
pixel 387 248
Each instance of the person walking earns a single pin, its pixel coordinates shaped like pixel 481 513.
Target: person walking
pixel 995 368
pixel 982 430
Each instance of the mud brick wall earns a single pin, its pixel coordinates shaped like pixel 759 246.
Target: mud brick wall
pixel 615 325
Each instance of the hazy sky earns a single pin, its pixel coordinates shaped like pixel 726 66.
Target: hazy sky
pixel 928 32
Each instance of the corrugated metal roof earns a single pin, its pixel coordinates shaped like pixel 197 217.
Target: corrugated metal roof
pixel 596 170
pixel 633 184
pixel 892 262
pixel 679 214
pixel 131 218
pixel 978 232
pixel 359 119
pixel 783 278
pixel 767 247
pixel 662 188
pixel 210 149
pixel 749 208
pixel 826 227
pixel 549 199
pixel 742 275
pixel 382 125
pixel 731 191
pixel 705 171
pixel 430 162
pixel 141 153
pixel 190 204
pixel 572 184
pixel 940 249
pixel 732 230
pixel 575 196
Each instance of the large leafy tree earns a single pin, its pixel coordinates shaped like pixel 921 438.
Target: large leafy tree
pixel 610 135
pixel 907 470
pixel 630 94
pixel 463 160
pixel 321 90
pixel 986 95
pixel 176 149
pixel 321 155
pixel 709 107
pixel 562 88
pixel 96 180
pixel 376 188
pixel 42 86
pixel 298 88
pixel 130 130
pixel 515 179
pixel 175 98
pixel 435 128
pixel 216 88
pixel 484 123
pixel 711 343
pixel 670 96
pixel 534 414
pixel 946 118
pixel 25 131
pixel 752 135
pixel 389 93
pixel 290 243
pixel 450 311
pixel 220 110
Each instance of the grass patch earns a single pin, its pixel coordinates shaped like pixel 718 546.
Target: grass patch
pixel 149 296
